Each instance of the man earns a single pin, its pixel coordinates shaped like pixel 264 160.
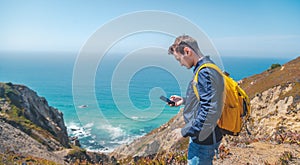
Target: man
pixel 200 115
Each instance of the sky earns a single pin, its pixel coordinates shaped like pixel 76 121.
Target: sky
pixel 237 28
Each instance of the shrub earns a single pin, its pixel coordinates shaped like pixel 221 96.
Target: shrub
pixel 273 66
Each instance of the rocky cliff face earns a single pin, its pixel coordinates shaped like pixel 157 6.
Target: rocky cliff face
pixel 275 113
pixel 24 109
pixel 274 124
pixel 33 132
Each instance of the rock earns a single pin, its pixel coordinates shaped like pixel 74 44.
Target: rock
pixel 36 110
pixel 74 141
pixel 2 92
pixel 152 148
pixel 15 98
pixel 14 141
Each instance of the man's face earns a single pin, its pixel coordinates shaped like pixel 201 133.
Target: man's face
pixel 184 60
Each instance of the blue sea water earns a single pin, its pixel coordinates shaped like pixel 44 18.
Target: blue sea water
pixel 118 117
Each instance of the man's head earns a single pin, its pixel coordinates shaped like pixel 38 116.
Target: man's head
pixel 185 49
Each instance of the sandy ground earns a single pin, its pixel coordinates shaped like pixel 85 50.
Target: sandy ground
pixel 261 153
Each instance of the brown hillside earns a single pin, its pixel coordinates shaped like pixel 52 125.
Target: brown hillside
pixel 289 72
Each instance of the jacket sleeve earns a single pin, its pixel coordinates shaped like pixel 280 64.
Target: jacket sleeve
pixel 206 90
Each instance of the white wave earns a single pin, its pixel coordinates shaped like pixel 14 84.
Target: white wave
pixel 134 117
pixel 127 140
pixel 113 144
pixel 117 135
pixel 91 141
pixel 114 132
pixel 88 125
pixel 140 118
pixel 75 129
pixel 73 125
pixel 102 150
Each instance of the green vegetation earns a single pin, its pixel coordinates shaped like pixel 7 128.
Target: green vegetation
pixel 8 88
pixel 15 117
pixel 273 66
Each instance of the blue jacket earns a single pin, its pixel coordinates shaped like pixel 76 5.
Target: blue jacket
pixel 201 116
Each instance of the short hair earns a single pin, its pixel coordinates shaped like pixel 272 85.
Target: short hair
pixel 184 41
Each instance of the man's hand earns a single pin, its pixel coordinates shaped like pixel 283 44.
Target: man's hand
pixel 177 99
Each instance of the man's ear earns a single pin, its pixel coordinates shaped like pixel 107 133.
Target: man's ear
pixel 187 50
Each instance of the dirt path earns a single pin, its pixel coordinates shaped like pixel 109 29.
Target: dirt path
pixel 261 153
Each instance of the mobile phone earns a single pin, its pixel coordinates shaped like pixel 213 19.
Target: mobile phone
pixel 163 98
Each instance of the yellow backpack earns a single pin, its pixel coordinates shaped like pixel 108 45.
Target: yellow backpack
pixel 236 108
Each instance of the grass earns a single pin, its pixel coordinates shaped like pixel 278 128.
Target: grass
pixel 8 88
pixel 287 73
pixel 12 158
pixel 16 118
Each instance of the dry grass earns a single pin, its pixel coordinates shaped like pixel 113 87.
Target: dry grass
pixel 287 73
pixel 12 158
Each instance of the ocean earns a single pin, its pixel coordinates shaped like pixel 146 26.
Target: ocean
pixel 118 107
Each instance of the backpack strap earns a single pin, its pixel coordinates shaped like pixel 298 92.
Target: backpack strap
pixel 195 81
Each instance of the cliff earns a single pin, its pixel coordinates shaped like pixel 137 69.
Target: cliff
pixel 24 109
pixel 33 132
pixel 29 126
pixel 274 124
